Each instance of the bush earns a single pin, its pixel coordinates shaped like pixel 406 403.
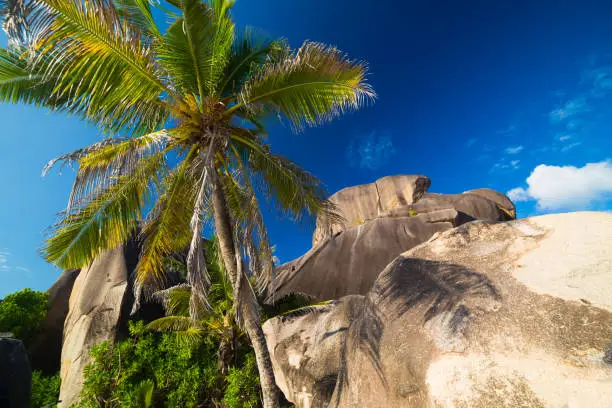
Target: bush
pixel 45 390
pixel 22 313
pixel 243 385
pixel 182 375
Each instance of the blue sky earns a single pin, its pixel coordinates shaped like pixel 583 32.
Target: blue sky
pixel 510 95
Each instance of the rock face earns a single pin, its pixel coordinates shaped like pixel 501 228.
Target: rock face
pixel 46 348
pixel 361 203
pixel 382 220
pixel 15 374
pixel 488 314
pixel 98 304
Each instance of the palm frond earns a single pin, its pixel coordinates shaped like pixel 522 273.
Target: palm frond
pixel 173 324
pixel 309 86
pixel 107 220
pixel 255 239
pixel 248 53
pixel 188 331
pixel 138 13
pixel 103 65
pixel 196 46
pixel 20 83
pixel 100 164
pixel 175 300
pixel 295 191
pixel 166 228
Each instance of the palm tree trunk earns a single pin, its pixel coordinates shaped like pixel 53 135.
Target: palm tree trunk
pixel 252 323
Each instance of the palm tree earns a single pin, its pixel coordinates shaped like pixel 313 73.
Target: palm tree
pixel 217 323
pixel 192 101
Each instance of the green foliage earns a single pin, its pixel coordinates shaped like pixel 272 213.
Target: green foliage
pixel 243 385
pixel 45 390
pixel 156 369
pixel 22 313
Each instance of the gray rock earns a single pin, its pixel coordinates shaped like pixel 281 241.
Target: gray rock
pixel 488 314
pixel 15 374
pixel 99 305
pixel 382 220
pixel 350 261
pixel 46 348
pixel 358 204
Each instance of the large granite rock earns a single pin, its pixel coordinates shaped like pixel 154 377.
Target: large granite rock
pixel 358 204
pixel 487 314
pixel 100 301
pixel 349 262
pixel 15 374
pixel 46 348
pixel 382 220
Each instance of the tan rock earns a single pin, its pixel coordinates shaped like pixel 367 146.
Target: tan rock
pixel 94 311
pixel 488 314
pixel 350 261
pixel 361 203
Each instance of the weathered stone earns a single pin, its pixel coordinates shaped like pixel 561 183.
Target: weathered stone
pixel 358 204
pixel 96 307
pixel 46 349
pixel 488 314
pixel 350 261
pixel 15 374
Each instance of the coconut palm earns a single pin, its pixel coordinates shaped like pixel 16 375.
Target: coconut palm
pixel 217 323
pixel 192 102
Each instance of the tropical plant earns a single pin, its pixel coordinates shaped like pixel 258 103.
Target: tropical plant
pixel 45 390
pixel 217 323
pixel 23 313
pixel 152 369
pixel 193 101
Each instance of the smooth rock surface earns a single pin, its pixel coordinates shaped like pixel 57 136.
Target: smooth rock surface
pixel 383 219
pixel 350 261
pixel 488 314
pixel 15 374
pixel 46 348
pixel 96 307
pixel 358 204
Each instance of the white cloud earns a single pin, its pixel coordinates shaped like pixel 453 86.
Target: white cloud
pixel 570 146
pixel 571 108
pixel 567 187
pixel 5 265
pixel 514 150
pixel 370 152
pixel 470 142
pixel 506 166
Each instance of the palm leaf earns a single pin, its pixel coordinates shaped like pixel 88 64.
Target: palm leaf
pixel 166 228
pixel 103 65
pixel 18 82
pixel 309 86
pixel 295 191
pixel 196 47
pixel 106 221
pixel 138 13
pixel 101 163
pixel 248 53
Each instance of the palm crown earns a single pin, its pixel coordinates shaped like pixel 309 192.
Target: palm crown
pixel 193 101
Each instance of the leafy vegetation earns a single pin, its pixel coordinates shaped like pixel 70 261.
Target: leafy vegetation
pixel 181 374
pixel 23 313
pixel 45 390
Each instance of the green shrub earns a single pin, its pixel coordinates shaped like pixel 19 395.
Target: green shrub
pixel 182 375
pixel 22 313
pixel 243 385
pixel 45 390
